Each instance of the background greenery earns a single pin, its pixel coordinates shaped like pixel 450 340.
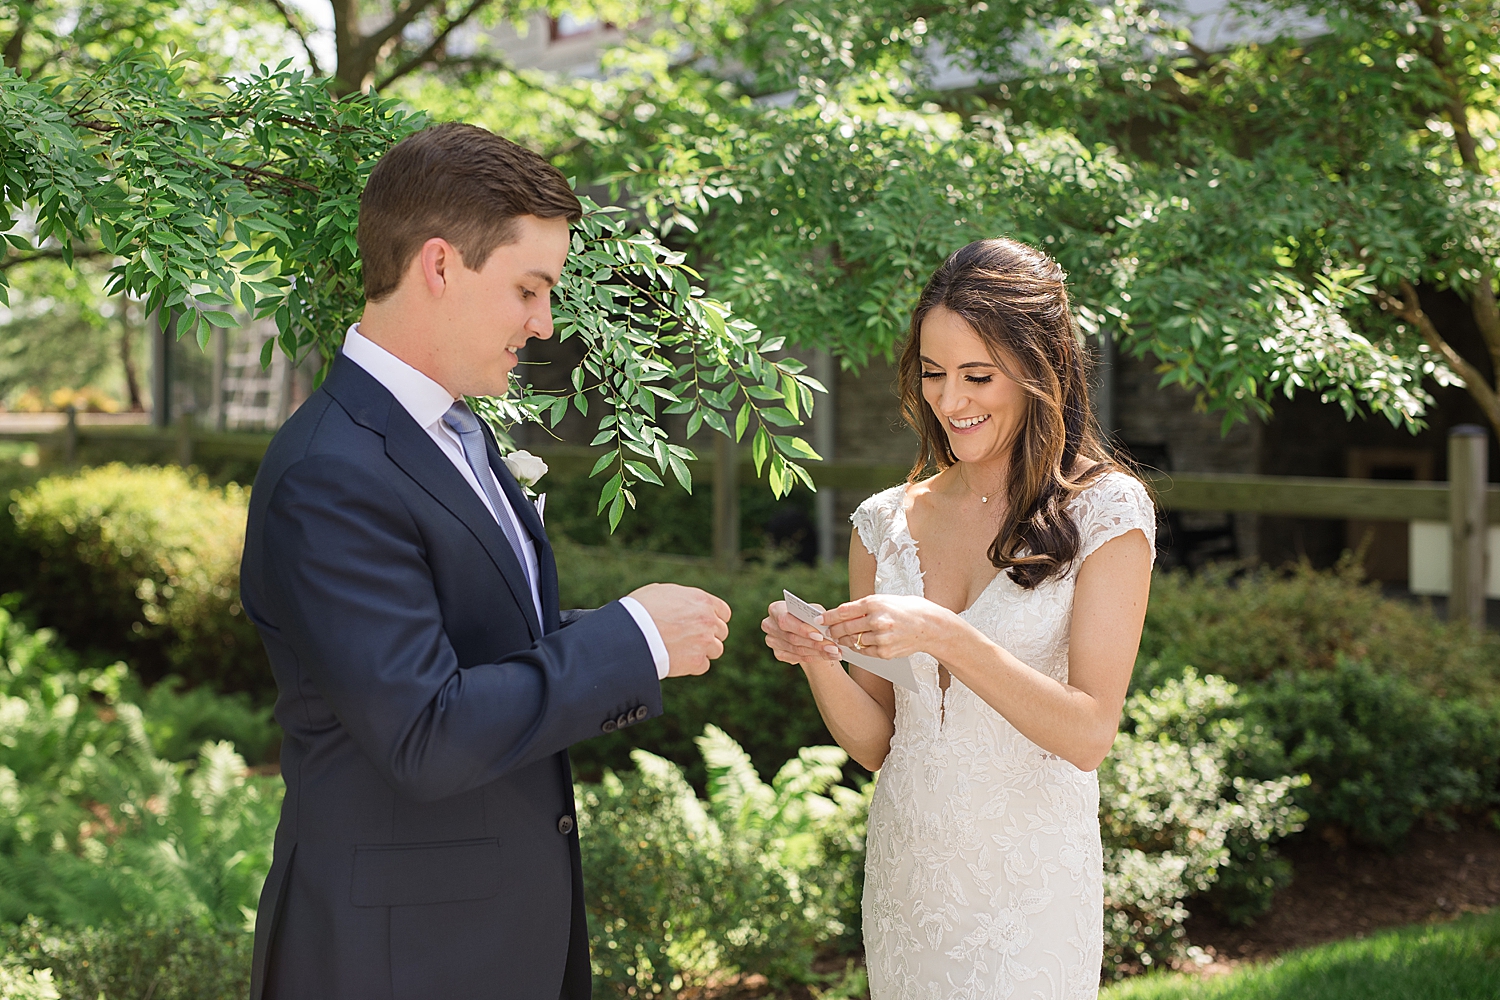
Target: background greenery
pixel 114 819
pixel 1435 962
pixel 1270 218
pixel 1228 212
pixel 724 836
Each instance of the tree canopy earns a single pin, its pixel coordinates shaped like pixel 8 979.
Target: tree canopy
pixel 1260 214
pixel 1260 218
pixel 242 192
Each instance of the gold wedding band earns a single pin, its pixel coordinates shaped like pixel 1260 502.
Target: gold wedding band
pixel 857 643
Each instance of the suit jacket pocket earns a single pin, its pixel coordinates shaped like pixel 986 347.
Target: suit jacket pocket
pixel 417 874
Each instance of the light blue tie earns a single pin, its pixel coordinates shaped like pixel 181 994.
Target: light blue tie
pixel 466 426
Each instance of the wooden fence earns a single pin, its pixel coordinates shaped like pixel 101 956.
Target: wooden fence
pixel 1468 505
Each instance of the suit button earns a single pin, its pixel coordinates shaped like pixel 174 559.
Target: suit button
pixel 638 714
pixel 565 825
pixel 610 726
pixel 623 721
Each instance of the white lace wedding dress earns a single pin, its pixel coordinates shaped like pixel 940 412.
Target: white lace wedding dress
pixel 984 871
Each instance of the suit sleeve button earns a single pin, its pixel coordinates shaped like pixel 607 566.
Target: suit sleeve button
pixel 565 825
pixel 610 725
pixel 623 721
pixel 638 714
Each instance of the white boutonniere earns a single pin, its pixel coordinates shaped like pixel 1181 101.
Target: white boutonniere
pixel 527 468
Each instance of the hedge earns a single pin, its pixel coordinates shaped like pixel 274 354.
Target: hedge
pixel 126 873
pixel 1389 710
pixel 142 564
pixel 1250 626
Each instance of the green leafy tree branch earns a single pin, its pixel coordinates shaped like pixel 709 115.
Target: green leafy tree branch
pixel 246 195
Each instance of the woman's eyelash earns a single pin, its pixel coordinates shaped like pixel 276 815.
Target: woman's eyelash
pixel 976 379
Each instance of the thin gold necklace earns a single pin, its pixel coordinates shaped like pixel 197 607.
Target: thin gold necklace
pixel 983 497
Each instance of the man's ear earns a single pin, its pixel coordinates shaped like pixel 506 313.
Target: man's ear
pixel 435 263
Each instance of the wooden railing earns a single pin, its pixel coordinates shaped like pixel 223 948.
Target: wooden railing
pixel 1468 511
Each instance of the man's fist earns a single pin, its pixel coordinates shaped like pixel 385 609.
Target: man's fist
pixel 693 624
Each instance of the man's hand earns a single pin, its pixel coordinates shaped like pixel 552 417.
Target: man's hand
pixel 693 624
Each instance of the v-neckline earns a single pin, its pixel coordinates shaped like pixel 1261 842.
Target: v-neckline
pixel 922 573
pixel 916 554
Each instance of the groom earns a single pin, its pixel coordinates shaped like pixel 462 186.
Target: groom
pixel 402 582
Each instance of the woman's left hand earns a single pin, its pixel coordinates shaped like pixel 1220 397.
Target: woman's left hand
pixel 890 626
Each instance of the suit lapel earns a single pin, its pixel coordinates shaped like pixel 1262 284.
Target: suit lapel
pixel 546 563
pixel 409 446
pixel 419 456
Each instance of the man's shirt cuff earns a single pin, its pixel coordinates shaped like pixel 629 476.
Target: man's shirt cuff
pixel 651 632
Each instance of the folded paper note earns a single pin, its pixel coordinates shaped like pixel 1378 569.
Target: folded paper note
pixel 897 671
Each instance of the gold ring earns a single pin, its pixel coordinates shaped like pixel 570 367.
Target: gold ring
pixel 857 638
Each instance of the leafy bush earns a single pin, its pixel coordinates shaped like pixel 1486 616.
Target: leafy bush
pixel 178 722
pixel 95 825
pixel 1171 809
pixel 98 829
pixel 757 879
pixel 1393 713
pixel 764 704
pixel 1382 752
pixel 144 563
pixel 1252 626
pixel 144 959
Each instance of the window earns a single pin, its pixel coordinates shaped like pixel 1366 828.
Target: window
pixel 568 26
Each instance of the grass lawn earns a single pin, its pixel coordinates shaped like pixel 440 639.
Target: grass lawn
pixel 1453 961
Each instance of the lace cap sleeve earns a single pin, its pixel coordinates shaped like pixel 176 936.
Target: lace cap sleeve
pixel 1117 503
pixel 872 519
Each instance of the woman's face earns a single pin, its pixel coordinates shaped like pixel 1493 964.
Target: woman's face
pixel 979 406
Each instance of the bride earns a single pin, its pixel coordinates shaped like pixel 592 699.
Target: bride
pixel 1016 579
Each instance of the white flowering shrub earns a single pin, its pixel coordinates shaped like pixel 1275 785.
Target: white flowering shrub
pixel 20 983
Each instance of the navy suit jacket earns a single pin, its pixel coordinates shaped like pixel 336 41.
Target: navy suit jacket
pixel 427 844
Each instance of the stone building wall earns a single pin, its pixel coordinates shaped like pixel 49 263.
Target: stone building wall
pixel 1162 428
pixel 870 429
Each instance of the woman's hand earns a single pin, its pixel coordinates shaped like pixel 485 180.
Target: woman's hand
pixel 889 626
pixel 795 641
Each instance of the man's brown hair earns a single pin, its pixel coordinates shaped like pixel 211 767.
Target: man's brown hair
pixel 458 182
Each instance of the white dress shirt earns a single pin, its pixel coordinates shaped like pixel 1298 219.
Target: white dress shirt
pixel 427 402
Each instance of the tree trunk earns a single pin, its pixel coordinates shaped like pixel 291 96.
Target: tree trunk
pixel 13 45
pixel 1482 292
pixel 127 358
pixel 1408 308
pixel 360 53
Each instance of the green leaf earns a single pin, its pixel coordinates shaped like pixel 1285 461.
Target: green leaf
pixel 780 487
pixel 644 472
pixel 795 447
pixel 609 491
pixel 604 462
pixel 760 448
pixel 715 419
pixel 680 471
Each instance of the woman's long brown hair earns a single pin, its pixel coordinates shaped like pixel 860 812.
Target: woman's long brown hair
pixel 1015 298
